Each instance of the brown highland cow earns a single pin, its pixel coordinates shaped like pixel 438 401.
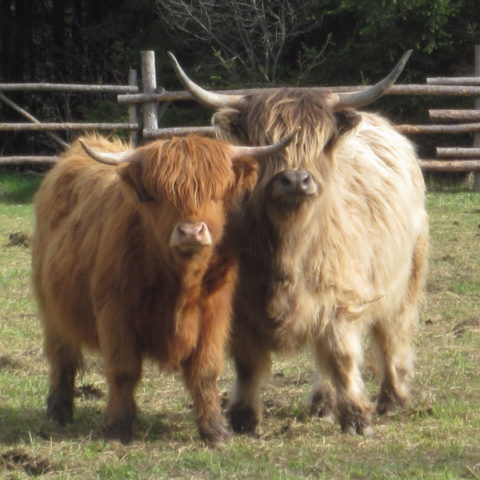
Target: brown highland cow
pixel 130 258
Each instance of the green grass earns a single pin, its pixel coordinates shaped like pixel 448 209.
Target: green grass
pixel 18 188
pixel 436 437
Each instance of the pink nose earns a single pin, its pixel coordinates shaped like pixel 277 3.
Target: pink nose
pixel 187 235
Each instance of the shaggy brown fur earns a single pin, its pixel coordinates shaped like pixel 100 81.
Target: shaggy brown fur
pixel 319 269
pixel 106 277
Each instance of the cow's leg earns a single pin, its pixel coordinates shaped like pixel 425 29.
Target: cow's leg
pixel 322 403
pixel 202 383
pixel 203 368
pixel 393 346
pixel 252 366
pixel 339 356
pixel 122 378
pixel 393 337
pixel 123 370
pixel 64 360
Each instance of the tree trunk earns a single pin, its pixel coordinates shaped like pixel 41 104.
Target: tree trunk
pixel 58 37
pixel 18 47
pixel 5 39
pixel 78 43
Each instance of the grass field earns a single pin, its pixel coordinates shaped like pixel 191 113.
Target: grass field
pixel 436 437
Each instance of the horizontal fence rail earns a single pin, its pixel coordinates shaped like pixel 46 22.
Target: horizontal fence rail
pixel 450 165
pixel 433 129
pixel 66 87
pixel 470 81
pixel 458 152
pixel 32 127
pixel 177 131
pixel 27 159
pixel 448 115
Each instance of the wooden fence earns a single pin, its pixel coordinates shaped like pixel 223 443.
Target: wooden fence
pixel 143 106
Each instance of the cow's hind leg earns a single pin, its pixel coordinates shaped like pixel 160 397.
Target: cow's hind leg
pixel 252 365
pixel 395 355
pixel 339 357
pixel 64 359
pixel 393 337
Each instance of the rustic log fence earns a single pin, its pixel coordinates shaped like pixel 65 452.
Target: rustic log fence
pixel 143 106
pixel 36 125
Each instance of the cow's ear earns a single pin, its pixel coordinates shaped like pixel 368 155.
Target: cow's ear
pixel 245 170
pixel 131 174
pixel 347 120
pixel 229 124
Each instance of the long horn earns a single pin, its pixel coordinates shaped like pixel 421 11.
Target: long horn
pixel 108 158
pixel 369 95
pixel 264 150
pixel 208 99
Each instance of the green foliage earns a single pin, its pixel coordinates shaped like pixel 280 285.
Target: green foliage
pixel 392 21
pixel 240 41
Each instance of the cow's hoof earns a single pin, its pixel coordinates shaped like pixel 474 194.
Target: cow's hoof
pixel 121 431
pixel 357 424
pixel 59 410
pixel 216 436
pixel 243 420
pixel 388 401
pixel 322 405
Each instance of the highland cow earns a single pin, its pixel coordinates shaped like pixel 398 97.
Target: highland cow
pixel 332 242
pixel 131 258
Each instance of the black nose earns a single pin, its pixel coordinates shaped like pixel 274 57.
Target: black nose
pixel 295 182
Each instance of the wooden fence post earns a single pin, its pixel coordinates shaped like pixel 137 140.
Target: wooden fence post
pixel 476 136
pixel 149 85
pixel 132 109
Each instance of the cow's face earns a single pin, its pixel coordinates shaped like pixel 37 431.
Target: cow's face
pixel 292 180
pixel 185 193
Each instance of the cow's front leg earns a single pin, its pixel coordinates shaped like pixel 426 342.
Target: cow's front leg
pixel 123 369
pixel 121 407
pixel 339 355
pixel 203 367
pixel 202 383
pixel 252 365
pixel 323 398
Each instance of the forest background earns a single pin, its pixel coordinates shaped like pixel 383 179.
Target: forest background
pixel 231 44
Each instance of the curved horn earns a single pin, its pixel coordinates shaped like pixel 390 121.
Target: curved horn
pixel 369 95
pixel 108 158
pixel 208 99
pixel 263 151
